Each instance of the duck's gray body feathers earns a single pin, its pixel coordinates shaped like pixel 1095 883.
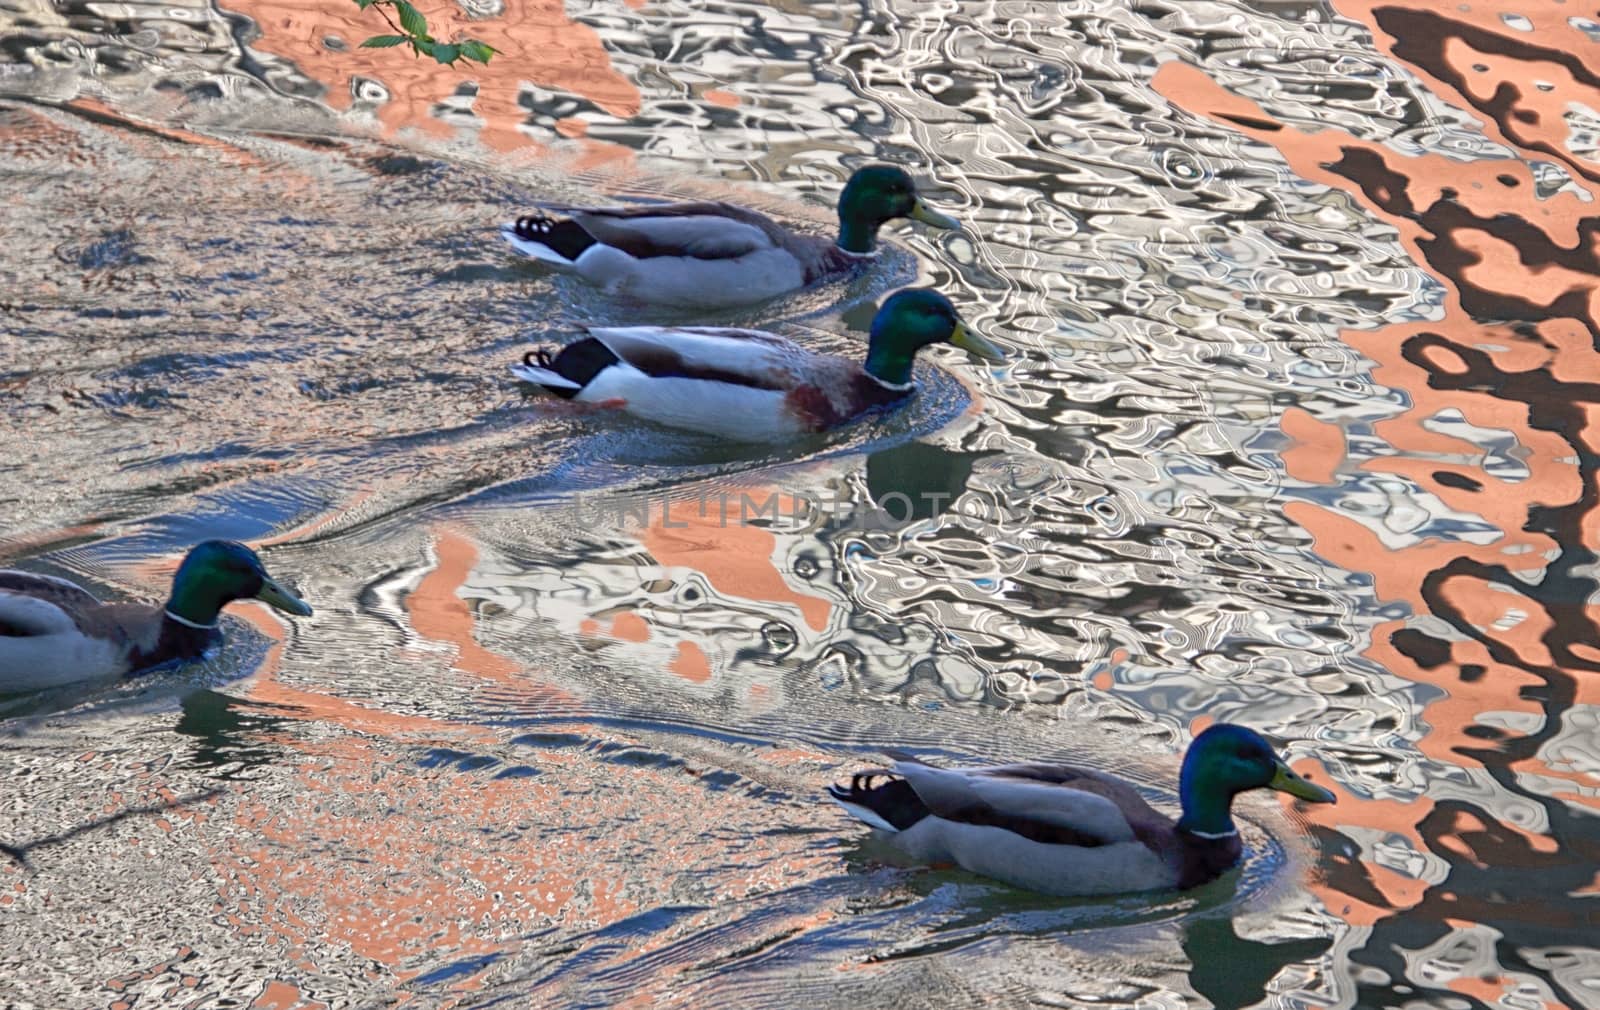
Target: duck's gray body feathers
pixel 1055 829
pixel 704 253
pixel 55 632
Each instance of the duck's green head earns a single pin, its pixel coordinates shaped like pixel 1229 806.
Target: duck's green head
pixel 1226 760
pixel 912 319
pixel 217 572
pixel 876 194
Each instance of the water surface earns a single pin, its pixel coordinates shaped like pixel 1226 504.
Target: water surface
pixel 1294 433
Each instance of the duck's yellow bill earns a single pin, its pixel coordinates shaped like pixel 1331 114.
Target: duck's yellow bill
pixel 975 344
pixel 1286 781
pixel 276 596
pixel 927 215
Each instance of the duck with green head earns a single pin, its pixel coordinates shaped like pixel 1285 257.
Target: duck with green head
pixel 1064 830
pixel 54 632
pixel 716 254
pixel 748 385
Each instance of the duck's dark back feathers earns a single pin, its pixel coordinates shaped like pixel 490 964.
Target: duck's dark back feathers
pixel 44 587
pixel 897 802
pixel 663 362
pixel 648 231
pixel 76 602
pixel 1046 832
pixel 1149 825
pixel 629 230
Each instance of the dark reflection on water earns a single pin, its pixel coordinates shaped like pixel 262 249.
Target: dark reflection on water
pixel 1229 970
pixel 918 481
pixel 228 732
pixel 1294 434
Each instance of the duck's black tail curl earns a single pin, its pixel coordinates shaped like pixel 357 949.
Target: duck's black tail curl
pixel 578 362
pixel 893 801
pixel 564 237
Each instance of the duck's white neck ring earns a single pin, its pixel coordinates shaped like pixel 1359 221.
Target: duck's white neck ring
pixel 869 255
pixel 898 387
pixel 1213 836
pixel 191 624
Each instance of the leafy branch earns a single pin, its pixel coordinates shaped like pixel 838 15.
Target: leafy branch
pixel 413 31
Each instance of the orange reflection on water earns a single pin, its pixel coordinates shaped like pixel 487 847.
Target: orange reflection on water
pixel 1521 66
pixel 1511 361
pixel 735 555
pixel 438 613
pixel 538 43
pixel 282 996
pixel 410 864
pixel 1317 449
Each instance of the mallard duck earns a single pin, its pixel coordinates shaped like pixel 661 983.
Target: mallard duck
pixel 1060 830
pixel 54 632
pixel 747 385
pixel 699 254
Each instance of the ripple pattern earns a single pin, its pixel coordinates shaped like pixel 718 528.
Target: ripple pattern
pixel 1294 433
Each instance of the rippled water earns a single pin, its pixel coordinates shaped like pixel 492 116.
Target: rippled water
pixel 1295 433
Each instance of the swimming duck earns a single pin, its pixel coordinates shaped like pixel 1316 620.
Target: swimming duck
pixel 700 254
pixel 748 385
pixel 1060 830
pixel 54 632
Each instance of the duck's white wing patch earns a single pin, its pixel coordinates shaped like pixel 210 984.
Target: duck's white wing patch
pixel 710 352
pixel 697 236
pixel 949 792
pixel 24 615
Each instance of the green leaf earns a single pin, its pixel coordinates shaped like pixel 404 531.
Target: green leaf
pixel 446 54
pixel 364 4
pixel 472 49
pixel 383 41
pixel 411 19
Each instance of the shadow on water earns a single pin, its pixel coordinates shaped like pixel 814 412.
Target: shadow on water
pixel 22 853
pixel 920 479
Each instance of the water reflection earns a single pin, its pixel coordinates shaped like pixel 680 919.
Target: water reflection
pixel 1229 970
pixel 918 481
pixel 1504 576
pixel 1297 437
pixel 229 733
